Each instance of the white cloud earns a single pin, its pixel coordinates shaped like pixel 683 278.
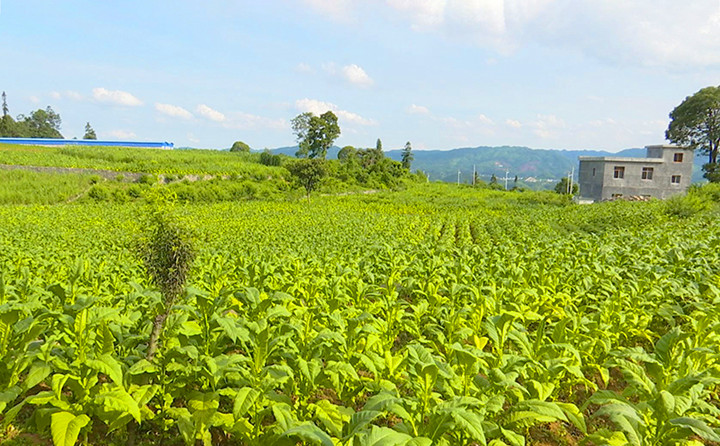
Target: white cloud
pixel 665 33
pixel 418 110
pixel 320 107
pixel 304 68
pixel 547 126
pixel 116 97
pixel 34 99
pixel 356 75
pixel 72 95
pixel 122 134
pixel 208 113
pixel 339 10
pixel 173 111
pixel 513 123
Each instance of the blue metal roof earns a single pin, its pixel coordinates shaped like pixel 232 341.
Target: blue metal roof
pixel 85 142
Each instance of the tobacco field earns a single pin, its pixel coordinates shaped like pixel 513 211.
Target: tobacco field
pixel 398 318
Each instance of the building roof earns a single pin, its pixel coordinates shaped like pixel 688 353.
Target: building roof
pixel 622 159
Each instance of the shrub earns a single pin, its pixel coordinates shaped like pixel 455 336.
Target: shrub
pixel 99 193
pixel 147 178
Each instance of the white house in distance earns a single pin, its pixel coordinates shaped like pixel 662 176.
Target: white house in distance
pixel 666 171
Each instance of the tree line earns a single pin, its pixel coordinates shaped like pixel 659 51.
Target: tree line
pixel 41 123
pixel 316 134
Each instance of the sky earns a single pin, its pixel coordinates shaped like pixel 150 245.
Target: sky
pixel 442 74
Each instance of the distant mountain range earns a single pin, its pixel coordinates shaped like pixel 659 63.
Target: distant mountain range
pixel 535 168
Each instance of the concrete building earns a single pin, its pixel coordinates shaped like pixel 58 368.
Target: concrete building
pixel 666 171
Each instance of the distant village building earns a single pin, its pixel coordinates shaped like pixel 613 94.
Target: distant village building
pixel 666 171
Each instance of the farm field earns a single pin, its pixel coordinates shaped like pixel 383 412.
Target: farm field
pixel 434 315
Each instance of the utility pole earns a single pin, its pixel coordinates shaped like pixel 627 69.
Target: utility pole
pixel 474 174
pixel 458 178
pixel 572 177
pixel 506 178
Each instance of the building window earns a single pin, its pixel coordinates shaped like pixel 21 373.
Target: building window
pixel 675 179
pixel 593 171
pixel 647 173
pixel 678 157
pixel 619 172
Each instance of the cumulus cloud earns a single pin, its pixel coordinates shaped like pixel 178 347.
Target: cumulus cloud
pixel 209 113
pixel 656 33
pixel 418 110
pixel 513 123
pixel 173 111
pixel 356 75
pixel 116 97
pixel 122 134
pixel 320 107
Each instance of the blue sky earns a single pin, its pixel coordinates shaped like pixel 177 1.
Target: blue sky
pixel 562 74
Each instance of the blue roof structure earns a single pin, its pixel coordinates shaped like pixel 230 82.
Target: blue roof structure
pixel 85 142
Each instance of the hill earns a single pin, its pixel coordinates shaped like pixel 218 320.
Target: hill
pixel 535 168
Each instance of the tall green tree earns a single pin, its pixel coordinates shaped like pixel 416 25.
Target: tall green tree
pixel 309 172
pixel 695 124
pixel 378 145
pixel 315 134
pixel 5 109
pixel 407 155
pixel 41 124
pixel 89 132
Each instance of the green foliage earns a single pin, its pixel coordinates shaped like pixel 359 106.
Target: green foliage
pixel 432 315
pixel 407 156
pixel 695 124
pixel 268 159
pixel 308 172
pixel 315 134
pixel 563 187
pixel 99 192
pixel 40 124
pixel 89 132
pixel 239 146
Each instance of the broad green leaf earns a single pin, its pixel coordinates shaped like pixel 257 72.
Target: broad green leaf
pixel 244 400
pixel 118 400
pixel 65 427
pixel 109 366
pixel 38 372
pixel 470 423
pixel 310 434
pixel 331 416
pixel 359 420
pixel 383 436
pixel 698 427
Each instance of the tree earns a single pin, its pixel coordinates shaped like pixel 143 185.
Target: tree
pixel 378 145
pixel 315 134
pixel 41 124
pixel 308 172
pixel 347 153
pixel 695 124
pixel 5 109
pixel 407 156
pixel 239 146
pixel 563 186
pixel 89 132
